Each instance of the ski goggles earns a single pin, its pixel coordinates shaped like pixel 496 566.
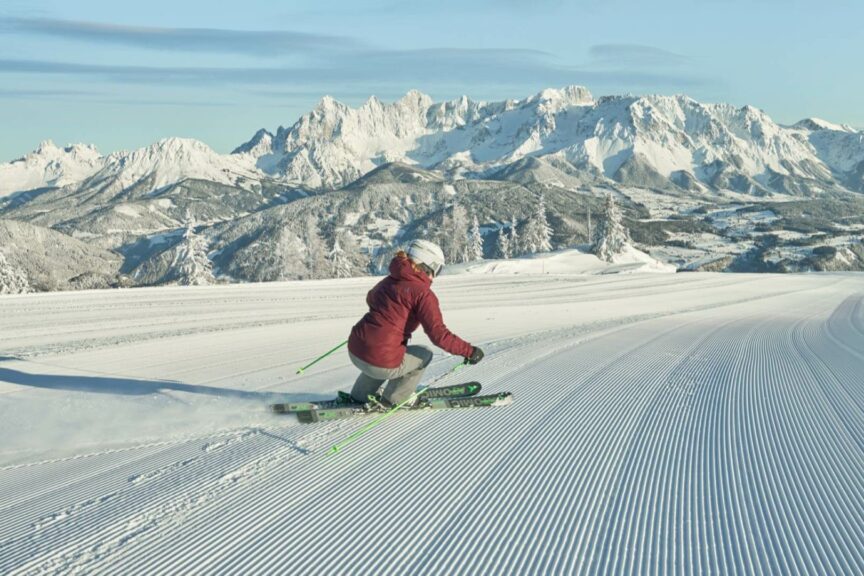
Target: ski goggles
pixel 432 270
pixel 436 269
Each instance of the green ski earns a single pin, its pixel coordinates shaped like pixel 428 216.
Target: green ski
pixel 322 415
pixel 345 401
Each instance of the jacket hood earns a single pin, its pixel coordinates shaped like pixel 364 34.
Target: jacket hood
pixel 401 269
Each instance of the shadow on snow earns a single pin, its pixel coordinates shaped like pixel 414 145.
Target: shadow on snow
pixel 131 387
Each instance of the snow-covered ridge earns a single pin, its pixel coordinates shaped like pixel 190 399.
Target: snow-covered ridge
pixel 165 162
pixel 820 124
pixel 840 147
pixel 334 144
pixel 49 165
pixel 627 138
pixel 173 159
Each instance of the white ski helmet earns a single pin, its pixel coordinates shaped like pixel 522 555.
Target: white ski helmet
pixel 428 253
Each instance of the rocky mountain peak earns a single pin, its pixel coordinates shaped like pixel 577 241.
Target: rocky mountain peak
pixel 260 144
pixel 46 147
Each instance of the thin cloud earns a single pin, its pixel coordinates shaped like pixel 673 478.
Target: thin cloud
pixel 4 93
pixel 93 96
pixel 165 103
pixel 383 68
pixel 390 9
pixel 220 41
pixel 633 55
pixel 279 93
pixel 336 61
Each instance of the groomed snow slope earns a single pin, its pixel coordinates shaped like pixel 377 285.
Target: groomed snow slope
pixel 670 424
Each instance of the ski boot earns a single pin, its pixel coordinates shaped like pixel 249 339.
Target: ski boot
pixel 346 398
pixel 376 403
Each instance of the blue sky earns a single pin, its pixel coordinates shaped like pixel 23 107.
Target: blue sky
pixel 122 75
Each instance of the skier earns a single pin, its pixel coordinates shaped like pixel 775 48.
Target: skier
pixel 398 304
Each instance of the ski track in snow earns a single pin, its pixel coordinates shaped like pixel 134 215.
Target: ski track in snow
pixel 691 424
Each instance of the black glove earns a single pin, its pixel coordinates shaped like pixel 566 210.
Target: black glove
pixel 476 356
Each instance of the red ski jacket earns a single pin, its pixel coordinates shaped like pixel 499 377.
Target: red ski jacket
pixel 398 304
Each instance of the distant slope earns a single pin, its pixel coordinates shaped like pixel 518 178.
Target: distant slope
pixel 55 261
pixel 565 262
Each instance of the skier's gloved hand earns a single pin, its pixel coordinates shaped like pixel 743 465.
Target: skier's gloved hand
pixel 476 356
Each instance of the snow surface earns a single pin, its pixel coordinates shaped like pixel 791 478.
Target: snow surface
pixel 675 424
pixel 564 262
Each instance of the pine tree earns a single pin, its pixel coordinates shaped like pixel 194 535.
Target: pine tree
pixel 453 235
pixel 340 265
pixel 503 245
pixel 611 237
pixel 542 229
pixel 194 267
pixel 12 279
pixel 349 246
pixel 459 223
pixel 475 244
pixel 382 255
pixel 514 241
pixel 262 260
pixel 536 235
pixel 284 256
pixel 316 251
pixel 443 236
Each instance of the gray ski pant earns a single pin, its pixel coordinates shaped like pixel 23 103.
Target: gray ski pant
pixel 403 379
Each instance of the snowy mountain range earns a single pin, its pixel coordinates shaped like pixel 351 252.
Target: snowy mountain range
pixel 49 165
pixel 662 141
pixel 385 172
pixel 659 140
pixel 146 169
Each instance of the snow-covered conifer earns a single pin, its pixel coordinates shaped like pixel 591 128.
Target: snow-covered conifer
pixel 316 251
pixel 12 279
pixel 611 237
pixel 340 265
pixel 503 245
pixel 537 232
pixel 459 222
pixel 514 241
pixel 541 226
pixel 284 254
pixel 453 235
pixel 442 235
pixel 381 257
pixel 194 268
pixel 475 243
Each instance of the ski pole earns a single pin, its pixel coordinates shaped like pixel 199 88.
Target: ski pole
pixel 300 371
pixel 354 436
